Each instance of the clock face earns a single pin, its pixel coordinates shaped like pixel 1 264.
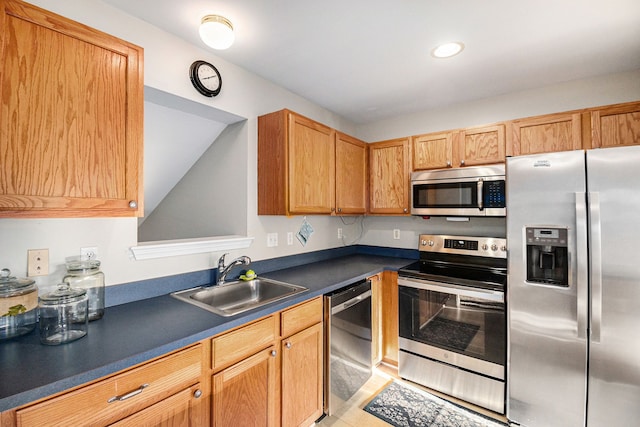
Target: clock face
pixel 205 78
pixel 208 77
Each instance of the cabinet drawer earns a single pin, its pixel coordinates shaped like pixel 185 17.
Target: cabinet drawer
pixel 243 342
pixel 136 389
pixel 300 317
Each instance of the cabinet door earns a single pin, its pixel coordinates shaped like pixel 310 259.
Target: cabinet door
pixel 351 175
pixel 302 377
pixel 481 146
pixel 616 126
pixel 389 177
pixel 71 118
pixel 376 318
pixel 390 317
pixel 183 409
pixel 311 166
pixel 432 151
pixel 546 134
pixel 245 394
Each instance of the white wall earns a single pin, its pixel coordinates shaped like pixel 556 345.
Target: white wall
pixel 167 60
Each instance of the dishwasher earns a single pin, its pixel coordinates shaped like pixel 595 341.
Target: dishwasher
pixel 348 362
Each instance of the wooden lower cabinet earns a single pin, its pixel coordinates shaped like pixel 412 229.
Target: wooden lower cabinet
pixel 376 319
pixel 389 310
pixel 281 382
pixel 302 377
pixel 245 393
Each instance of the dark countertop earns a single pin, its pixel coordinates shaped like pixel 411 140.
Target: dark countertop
pixel 135 332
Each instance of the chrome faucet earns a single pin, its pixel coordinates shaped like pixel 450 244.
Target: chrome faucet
pixel 223 271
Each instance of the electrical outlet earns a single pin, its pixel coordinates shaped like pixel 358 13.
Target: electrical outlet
pixel 290 238
pixel 89 253
pixel 37 262
pixel 396 234
pixel 272 240
pixel 339 233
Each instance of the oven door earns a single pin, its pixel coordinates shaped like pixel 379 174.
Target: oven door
pixel 457 325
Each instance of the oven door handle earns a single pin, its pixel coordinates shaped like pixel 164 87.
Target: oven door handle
pixel 445 288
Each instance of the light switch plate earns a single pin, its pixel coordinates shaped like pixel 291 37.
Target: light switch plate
pixel 272 240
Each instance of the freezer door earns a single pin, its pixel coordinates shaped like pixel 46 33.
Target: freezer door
pixel 546 378
pixel 614 362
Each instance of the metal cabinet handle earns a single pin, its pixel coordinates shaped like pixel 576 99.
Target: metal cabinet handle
pixel 128 395
pixel 462 162
pixel 339 209
pixel 133 204
pixel 197 393
pixel 405 210
pixel 448 163
pixel 288 344
pixel 273 353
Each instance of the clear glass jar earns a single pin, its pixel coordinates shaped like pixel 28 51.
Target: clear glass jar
pixel 18 305
pixel 87 275
pixel 63 315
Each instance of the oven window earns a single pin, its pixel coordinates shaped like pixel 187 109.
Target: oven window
pixel 449 195
pixel 466 325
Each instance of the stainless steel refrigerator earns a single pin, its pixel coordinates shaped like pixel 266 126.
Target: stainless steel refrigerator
pixel 573 294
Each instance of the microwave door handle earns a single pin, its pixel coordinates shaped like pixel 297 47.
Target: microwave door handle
pixel 480 194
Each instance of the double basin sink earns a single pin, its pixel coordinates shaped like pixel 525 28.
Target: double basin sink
pixel 233 298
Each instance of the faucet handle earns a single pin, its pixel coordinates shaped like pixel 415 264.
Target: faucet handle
pixel 221 261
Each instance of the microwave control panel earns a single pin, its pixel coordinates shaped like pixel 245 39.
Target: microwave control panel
pixel 494 194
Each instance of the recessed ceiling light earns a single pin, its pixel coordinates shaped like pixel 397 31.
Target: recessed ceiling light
pixel 447 50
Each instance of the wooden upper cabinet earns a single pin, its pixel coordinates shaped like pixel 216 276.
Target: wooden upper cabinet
pixel 545 134
pixel 467 147
pixel 616 125
pixel 296 165
pixel 389 167
pixel 351 175
pixel 432 151
pixel 71 118
pixel 481 146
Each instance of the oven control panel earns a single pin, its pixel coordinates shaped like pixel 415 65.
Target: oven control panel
pixel 493 247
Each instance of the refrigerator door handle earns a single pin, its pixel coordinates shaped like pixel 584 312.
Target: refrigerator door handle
pixel 595 236
pixel 582 288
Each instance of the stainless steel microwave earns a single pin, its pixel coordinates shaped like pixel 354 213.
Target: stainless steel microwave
pixel 469 191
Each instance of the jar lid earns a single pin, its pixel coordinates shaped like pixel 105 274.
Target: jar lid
pixel 12 286
pixel 64 294
pixel 79 265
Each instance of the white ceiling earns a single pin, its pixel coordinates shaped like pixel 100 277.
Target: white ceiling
pixel 368 60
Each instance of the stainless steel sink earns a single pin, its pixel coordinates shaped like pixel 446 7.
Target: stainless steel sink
pixel 236 297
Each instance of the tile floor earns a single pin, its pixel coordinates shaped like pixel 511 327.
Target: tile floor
pixel 351 413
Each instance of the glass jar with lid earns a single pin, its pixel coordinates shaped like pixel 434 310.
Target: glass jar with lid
pixel 18 305
pixel 86 274
pixel 63 315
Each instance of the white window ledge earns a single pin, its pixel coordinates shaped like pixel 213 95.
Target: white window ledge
pixel 167 248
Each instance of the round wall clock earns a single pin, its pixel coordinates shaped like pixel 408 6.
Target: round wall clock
pixel 205 78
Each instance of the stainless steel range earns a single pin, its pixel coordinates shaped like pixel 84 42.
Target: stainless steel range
pixel 452 321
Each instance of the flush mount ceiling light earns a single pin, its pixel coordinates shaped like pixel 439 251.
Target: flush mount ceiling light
pixel 216 31
pixel 447 50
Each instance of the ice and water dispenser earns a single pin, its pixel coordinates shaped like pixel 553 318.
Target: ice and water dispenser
pixel 547 257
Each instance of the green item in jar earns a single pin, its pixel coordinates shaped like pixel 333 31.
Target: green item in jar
pixel 15 310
